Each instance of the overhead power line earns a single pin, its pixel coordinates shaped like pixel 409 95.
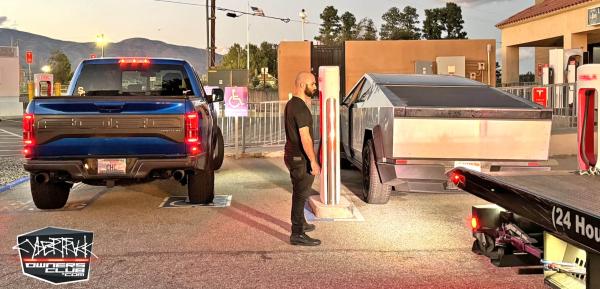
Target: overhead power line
pixel 285 20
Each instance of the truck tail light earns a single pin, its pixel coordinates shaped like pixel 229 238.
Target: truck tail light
pixel 474 223
pixel 457 179
pixel 192 133
pixel 28 137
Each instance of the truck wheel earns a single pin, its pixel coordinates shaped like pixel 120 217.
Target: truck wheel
pixel 201 186
pixel 374 192
pixel 218 149
pixel 49 195
pixel 484 244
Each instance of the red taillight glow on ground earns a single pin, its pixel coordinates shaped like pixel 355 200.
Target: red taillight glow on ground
pixel 401 162
pixel 28 137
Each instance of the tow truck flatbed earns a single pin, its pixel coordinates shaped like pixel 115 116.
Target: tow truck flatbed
pixel 545 198
pixel 564 204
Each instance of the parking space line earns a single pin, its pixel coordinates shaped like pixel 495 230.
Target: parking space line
pixel 8 132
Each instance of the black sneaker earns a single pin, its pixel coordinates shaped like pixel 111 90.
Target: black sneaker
pixel 308 227
pixel 303 240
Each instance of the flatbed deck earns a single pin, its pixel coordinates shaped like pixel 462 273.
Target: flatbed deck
pixel 566 188
pixel 562 202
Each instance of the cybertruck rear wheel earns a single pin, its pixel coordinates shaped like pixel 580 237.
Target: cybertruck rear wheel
pixel 374 192
pixel 201 186
pixel 49 195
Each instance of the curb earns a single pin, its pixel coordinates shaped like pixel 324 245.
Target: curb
pixel 13 184
pixel 275 154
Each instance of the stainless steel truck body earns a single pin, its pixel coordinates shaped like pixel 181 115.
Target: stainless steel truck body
pixel 409 130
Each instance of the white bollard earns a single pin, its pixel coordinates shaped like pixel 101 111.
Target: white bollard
pixel 329 92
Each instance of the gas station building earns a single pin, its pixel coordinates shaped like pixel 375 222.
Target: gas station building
pixel 549 26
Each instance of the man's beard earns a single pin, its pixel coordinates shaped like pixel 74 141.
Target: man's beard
pixel 309 93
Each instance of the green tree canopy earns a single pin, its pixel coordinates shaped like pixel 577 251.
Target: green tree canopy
pixel 454 22
pixel 400 25
pixel 366 30
pixel 60 66
pixel 433 26
pixel 330 27
pixel 235 57
pixel 349 28
pixel 264 55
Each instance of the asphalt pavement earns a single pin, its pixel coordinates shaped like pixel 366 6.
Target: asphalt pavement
pixel 11 144
pixel 414 241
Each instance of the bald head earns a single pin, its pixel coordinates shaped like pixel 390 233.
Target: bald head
pixel 305 84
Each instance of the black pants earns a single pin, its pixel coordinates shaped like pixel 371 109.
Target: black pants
pixel 302 182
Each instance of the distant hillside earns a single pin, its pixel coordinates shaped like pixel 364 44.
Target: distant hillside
pixel 42 47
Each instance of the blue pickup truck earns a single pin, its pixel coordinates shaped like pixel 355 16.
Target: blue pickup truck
pixel 123 121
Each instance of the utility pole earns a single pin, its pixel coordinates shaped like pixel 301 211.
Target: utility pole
pixel 213 48
pixel 208 66
pixel 248 41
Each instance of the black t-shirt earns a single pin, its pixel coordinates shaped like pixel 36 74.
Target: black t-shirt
pixel 297 115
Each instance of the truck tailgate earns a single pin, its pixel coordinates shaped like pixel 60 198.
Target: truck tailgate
pixel 468 122
pixel 77 127
pixel 475 138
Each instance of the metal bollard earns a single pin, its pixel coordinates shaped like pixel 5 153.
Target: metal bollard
pixel 57 88
pixel 30 90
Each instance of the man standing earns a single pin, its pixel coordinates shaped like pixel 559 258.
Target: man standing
pixel 300 156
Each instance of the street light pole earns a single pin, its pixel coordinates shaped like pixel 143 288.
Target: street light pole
pixel 248 41
pixel 303 17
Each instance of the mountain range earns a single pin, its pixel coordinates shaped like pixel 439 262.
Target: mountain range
pixel 42 47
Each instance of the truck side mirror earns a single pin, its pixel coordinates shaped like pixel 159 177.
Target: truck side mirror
pixel 217 95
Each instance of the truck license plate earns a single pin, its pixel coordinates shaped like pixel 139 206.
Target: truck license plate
pixel 474 166
pixel 112 166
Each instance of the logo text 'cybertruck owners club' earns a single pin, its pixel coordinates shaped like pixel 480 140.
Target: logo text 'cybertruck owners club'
pixel 56 255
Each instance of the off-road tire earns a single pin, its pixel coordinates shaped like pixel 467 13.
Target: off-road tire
pixel 374 192
pixel 218 149
pixel 49 195
pixel 201 186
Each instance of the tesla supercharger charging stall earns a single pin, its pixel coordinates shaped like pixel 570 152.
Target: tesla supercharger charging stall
pixel 329 94
pixel 330 204
pixel 588 85
pixel 40 80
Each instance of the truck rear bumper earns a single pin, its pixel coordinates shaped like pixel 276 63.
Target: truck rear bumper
pixel 137 168
pixel 434 171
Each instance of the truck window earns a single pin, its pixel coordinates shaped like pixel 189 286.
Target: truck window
pixel 140 79
pixel 351 98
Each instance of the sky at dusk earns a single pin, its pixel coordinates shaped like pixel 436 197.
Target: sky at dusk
pixel 81 20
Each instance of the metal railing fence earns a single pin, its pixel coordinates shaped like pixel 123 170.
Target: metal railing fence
pixel 264 125
pixel 562 98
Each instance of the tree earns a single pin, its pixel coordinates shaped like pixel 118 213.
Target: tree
pixel 498 74
pixel 330 27
pixel 366 30
pixel 268 57
pixel 433 26
pixel 60 66
pixel 528 77
pixel 235 58
pixel 453 22
pixel 348 28
pixel 261 56
pixel 400 25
